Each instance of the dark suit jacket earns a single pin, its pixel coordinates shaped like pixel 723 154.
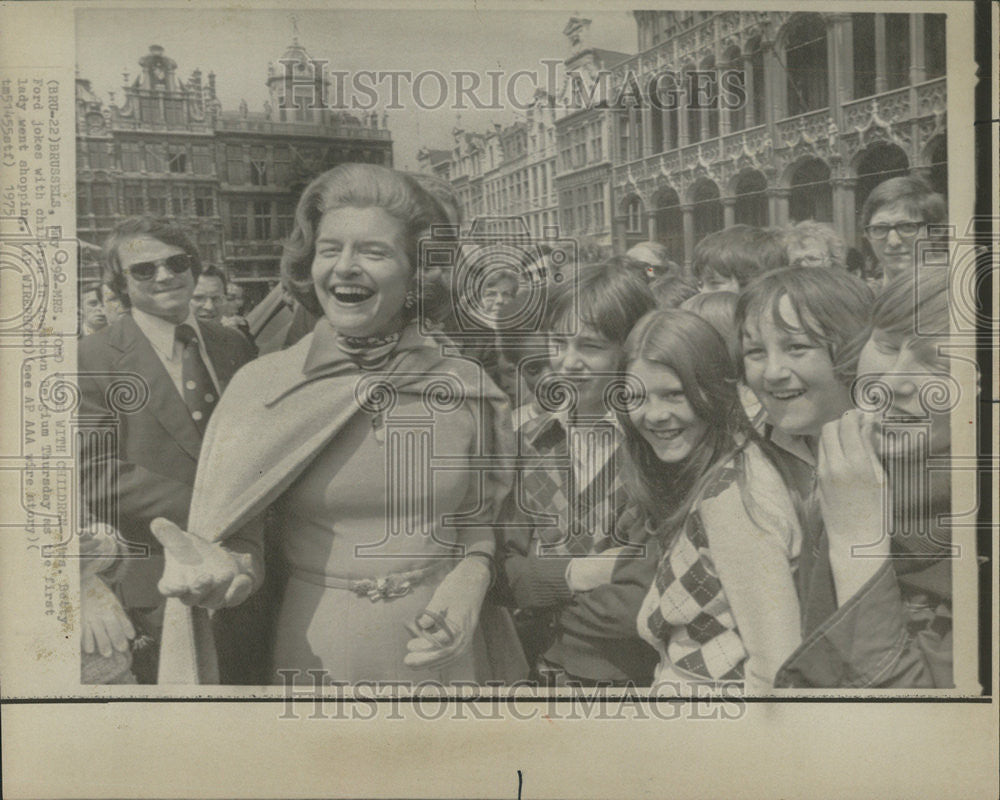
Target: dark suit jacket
pixel 152 473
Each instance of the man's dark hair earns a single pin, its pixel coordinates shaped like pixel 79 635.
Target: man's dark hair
pixel 159 228
pixel 739 251
pixel 212 271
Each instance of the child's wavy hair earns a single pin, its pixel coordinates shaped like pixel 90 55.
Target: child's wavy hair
pixel 832 305
pixel 686 344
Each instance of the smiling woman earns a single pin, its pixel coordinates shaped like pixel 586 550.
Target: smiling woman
pixel 374 584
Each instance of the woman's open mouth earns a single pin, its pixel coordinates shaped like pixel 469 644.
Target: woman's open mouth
pixel 788 394
pixel 666 434
pixel 352 294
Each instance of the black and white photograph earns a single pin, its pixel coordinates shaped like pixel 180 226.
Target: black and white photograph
pixel 464 388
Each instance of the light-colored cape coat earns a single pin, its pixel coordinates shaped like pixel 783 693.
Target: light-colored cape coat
pixel 276 416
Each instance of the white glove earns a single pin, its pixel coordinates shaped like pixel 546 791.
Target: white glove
pixel 201 573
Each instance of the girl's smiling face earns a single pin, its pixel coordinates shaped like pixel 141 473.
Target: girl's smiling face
pixel 665 417
pixel 791 373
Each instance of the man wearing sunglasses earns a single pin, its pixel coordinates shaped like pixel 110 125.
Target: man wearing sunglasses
pixel 183 364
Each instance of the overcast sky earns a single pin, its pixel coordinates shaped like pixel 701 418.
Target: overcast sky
pixel 238 44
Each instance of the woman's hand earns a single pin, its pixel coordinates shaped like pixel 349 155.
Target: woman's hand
pixel 444 629
pixel 103 622
pixel 588 572
pixel 850 481
pixel 201 573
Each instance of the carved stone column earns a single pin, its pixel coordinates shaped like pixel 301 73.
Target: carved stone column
pixel 777 200
pixel 881 63
pixel 687 212
pixel 728 211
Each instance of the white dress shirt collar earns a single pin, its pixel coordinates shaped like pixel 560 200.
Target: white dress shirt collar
pixel 160 332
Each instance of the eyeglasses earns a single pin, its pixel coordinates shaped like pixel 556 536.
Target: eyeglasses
pixel 906 230
pixel 146 270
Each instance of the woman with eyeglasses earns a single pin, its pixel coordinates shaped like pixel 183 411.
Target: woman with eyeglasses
pixel 354 448
pixel 895 219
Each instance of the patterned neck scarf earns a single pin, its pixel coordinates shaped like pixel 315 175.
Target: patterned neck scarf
pixel 369 352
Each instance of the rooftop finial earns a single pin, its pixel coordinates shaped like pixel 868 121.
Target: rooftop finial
pixel 295 30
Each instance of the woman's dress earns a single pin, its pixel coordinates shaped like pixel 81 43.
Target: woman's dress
pixel 353 485
pixel 335 523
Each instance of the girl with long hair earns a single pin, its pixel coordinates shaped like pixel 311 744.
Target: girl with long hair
pixel 723 605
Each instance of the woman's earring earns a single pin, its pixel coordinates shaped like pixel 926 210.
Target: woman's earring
pixel 411 300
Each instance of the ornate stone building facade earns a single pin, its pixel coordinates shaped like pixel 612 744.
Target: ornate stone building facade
pixel 835 103
pixel 506 173
pixel 551 169
pixel 231 177
pixel 584 135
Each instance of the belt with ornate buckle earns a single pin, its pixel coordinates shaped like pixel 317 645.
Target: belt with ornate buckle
pixel 387 587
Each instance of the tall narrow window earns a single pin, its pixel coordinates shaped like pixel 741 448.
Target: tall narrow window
pixel 235 168
pixel 261 220
pixel 157 195
pixel 132 202
pixel 177 159
pixel 238 225
pixel 897 50
pixel 201 159
pixel 863 37
pixel 204 202
pixel 934 45
pixel 806 64
pixel 258 166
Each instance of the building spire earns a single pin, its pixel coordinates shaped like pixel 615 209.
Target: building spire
pixel 295 30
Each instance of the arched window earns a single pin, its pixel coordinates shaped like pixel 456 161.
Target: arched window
pixel 863 45
pixel 880 162
pixel 811 196
pixel 751 200
pixel 938 150
pixel 707 209
pixel 732 60
pixel 670 222
pixel 806 64
pixel 635 218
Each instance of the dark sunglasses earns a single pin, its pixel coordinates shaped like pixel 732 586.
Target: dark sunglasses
pixel 146 270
